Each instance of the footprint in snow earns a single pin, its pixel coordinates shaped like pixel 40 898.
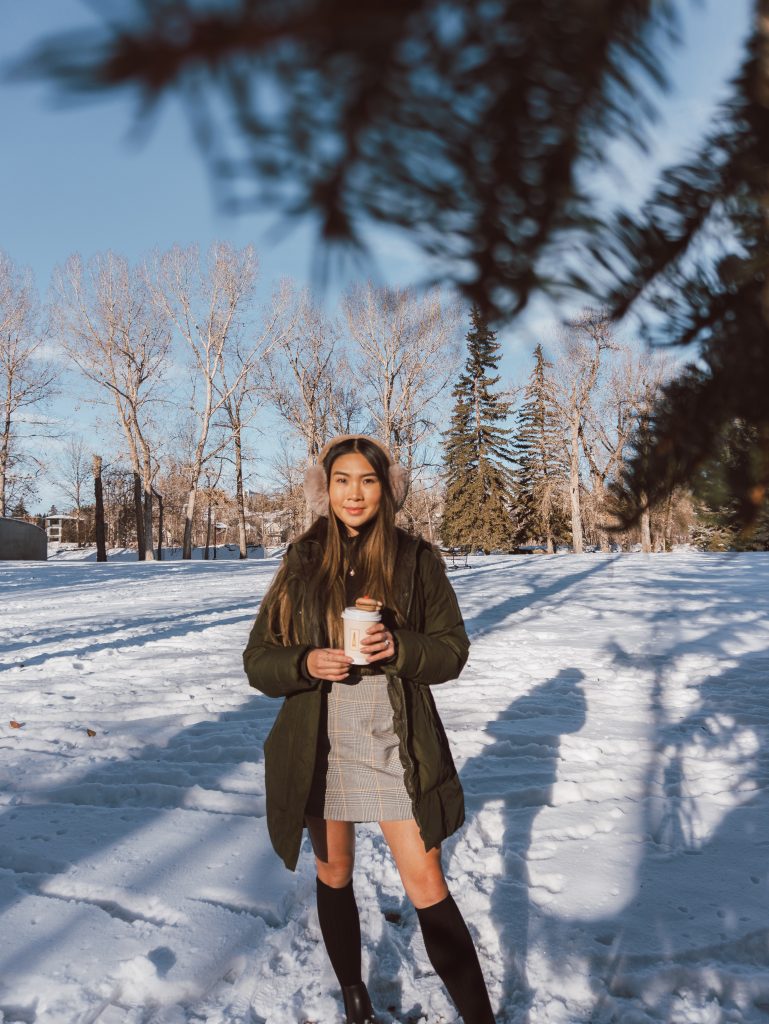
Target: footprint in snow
pixel 163 958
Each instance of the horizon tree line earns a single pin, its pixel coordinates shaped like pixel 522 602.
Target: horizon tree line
pixel 181 361
pixel 187 366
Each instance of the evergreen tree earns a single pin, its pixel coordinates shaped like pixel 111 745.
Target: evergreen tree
pixel 538 450
pixel 478 504
pixel 719 525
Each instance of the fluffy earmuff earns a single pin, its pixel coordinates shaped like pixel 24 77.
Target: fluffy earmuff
pixel 316 488
pixel 316 491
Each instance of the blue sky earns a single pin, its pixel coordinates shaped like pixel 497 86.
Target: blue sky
pixel 74 178
pixel 77 177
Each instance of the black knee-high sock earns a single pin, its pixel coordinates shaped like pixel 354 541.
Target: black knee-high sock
pixel 340 927
pixel 451 951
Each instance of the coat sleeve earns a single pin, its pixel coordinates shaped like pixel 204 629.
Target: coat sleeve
pixel 440 651
pixel 272 668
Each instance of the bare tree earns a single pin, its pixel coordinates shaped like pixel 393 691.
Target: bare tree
pixel 172 482
pixel 158 496
pixel 348 401
pixel 207 301
pixel 611 418
pixel 290 515
pixel 238 416
pixel 27 379
pixel 673 520
pixel 212 475
pixel 119 339
pixel 607 427
pixel 406 355
pixel 74 470
pixel 118 495
pixel 644 406
pixel 241 401
pixel 423 509
pixel 583 345
pixel 304 376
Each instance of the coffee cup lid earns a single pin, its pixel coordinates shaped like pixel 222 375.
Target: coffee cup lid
pixel 361 613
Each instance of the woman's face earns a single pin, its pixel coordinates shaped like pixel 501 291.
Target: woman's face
pixel 354 491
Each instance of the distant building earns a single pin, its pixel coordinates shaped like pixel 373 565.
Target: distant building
pixel 56 526
pixel 273 528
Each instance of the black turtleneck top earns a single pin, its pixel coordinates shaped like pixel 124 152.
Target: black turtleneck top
pixel 353 580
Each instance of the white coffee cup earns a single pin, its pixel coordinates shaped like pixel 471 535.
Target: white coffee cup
pixel 356 622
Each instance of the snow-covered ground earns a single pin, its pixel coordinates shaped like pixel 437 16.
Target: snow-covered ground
pixel 612 731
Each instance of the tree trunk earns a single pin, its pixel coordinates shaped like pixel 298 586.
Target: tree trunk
pixel 429 515
pixel 139 516
pixel 576 511
pixel 547 522
pixel 147 485
pixel 188 516
pixel 101 547
pixel 148 552
pixel 5 447
pixel 669 523
pixel 598 491
pixel 239 498
pixel 646 533
pixel 546 504
pixel 208 530
pixel 159 554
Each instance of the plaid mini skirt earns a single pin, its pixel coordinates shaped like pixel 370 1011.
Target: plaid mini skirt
pixel 358 772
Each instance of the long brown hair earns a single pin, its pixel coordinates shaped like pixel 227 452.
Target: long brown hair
pixel 313 612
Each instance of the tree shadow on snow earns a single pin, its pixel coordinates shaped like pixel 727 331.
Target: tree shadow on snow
pixel 688 939
pixel 158 628
pixel 531 595
pixel 133 811
pixel 514 774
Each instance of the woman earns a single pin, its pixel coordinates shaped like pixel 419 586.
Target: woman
pixel 365 743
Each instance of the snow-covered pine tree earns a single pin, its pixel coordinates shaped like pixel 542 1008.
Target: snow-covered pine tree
pixel 538 450
pixel 479 480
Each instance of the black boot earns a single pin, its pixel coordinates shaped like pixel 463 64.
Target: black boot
pixel 357 1005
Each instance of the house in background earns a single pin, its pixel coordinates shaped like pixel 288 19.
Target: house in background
pixel 62 529
pixel 275 527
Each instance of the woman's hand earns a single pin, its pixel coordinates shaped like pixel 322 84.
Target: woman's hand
pixel 328 663
pixel 378 643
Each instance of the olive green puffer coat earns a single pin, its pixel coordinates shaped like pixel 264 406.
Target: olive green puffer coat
pixel 431 649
